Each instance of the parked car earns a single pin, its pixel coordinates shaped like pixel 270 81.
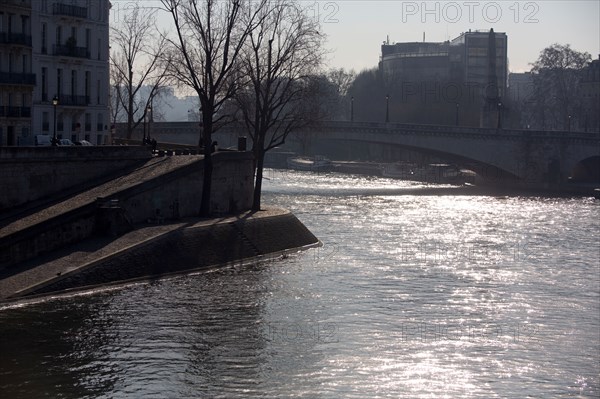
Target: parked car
pixel 83 143
pixel 43 140
pixel 65 142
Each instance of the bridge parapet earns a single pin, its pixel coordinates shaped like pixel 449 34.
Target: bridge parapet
pixel 459 130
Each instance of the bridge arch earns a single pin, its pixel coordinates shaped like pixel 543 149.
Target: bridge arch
pixel 488 172
pixel 586 170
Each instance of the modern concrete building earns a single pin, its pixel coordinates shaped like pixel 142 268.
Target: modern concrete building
pixel 16 78
pixel 62 58
pixel 466 76
pixel 463 60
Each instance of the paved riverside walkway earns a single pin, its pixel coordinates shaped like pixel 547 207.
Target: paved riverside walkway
pixel 151 169
pixel 59 264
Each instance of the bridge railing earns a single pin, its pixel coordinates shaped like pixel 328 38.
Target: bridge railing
pixel 395 127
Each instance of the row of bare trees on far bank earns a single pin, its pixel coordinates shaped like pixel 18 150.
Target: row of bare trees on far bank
pixel 254 62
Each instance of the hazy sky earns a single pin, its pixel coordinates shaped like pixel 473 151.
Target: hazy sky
pixel 356 29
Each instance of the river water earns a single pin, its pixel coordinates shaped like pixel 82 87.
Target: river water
pixel 411 296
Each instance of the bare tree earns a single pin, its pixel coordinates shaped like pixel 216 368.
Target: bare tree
pixel 342 80
pixel 556 77
pixel 115 95
pixel 281 53
pixel 210 35
pixel 138 70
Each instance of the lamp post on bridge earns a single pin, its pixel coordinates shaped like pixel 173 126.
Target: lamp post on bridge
pixel 54 104
pixel 144 132
pixel 387 108
pixel 150 120
pixel 146 136
pixel 352 109
pixel 569 123
pixel 456 114
pixel 499 115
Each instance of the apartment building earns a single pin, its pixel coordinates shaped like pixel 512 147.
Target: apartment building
pixel 63 65
pixel 16 78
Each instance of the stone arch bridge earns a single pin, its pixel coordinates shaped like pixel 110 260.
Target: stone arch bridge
pixel 542 159
pixel 531 158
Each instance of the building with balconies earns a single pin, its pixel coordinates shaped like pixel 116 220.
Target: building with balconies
pixel 70 41
pixel 16 78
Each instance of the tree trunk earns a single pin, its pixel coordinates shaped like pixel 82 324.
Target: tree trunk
pixel 259 177
pixel 130 109
pixel 208 165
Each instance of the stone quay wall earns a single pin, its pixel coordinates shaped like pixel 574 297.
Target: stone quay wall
pixel 35 173
pixel 249 239
pixel 163 189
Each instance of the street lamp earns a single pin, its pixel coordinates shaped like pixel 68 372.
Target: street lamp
pixel 149 116
pixel 54 104
pixel 148 109
pixel 456 114
pixel 569 123
pixel 352 109
pixel 387 108
pixel 499 115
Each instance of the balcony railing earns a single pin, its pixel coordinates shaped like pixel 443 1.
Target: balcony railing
pixel 71 51
pixel 17 78
pixel 15 112
pixel 18 3
pixel 69 10
pixel 64 99
pixel 15 38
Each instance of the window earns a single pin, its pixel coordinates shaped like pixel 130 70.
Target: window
pixel 44 84
pixel 9 22
pixel 98 92
pixel 58 35
pixel 24 24
pixel 88 124
pixel 74 34
pixel 88 80
pixel 59 82
pixel 26 67
pixel 88 39
pixel 60 122
pixel 100 123
pixel 44 34
pixel 45 122
pixel 73 83
pixel 99 42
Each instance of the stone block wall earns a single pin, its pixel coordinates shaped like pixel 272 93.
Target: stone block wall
pixel 35 173
pixel 170 195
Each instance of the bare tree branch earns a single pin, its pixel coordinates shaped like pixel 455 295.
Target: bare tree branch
pixel 138 65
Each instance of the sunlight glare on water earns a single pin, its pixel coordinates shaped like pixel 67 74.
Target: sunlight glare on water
pixel 411 296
